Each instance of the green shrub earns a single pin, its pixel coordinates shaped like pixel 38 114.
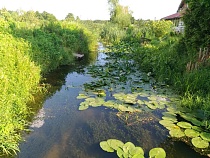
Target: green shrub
pixel 19 77
pixel 26 53
pixel 111 33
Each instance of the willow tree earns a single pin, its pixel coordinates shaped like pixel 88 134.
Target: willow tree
pixel 119 14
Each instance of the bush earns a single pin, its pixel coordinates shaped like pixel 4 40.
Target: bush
pixel 26 53
pixel 19 77
pixel 111 33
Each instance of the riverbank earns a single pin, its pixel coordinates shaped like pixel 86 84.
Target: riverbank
pixel 29 51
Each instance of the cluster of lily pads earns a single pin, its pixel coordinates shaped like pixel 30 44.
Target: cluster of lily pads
pixel 188 125
pixel 121 83
pixel 129 150
pixel 131 102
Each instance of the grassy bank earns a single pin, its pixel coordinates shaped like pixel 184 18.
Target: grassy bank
pixel 27 52
pixel 168 57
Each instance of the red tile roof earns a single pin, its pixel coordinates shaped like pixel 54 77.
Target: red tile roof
pixel 173 16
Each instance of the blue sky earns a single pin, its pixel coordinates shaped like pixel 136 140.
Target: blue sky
pixel 94 9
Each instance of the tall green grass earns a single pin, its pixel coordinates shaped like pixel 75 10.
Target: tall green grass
pixel 112 34
pixel 19 77
pixel 28 52
pixel 54 43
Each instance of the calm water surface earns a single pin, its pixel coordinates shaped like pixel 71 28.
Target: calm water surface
pixel 60 130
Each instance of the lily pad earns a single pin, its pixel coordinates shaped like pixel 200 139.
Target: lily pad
pixel 205 136
pixel 153 98
pixel 191 133
pixel 126 98
pixel 83 107
pixel 97 102
pixel 136 151
pixel 140 102
pixel 161 105
pixel 196 128
pixel 178 133
pixel 115 144
pixel 105 146
pixel 82 96
pixel 172 109
pixel 123 108
pixel 184 124
pixel 138 156
pixel 120 153
pixel 167 123
pixel 100 92
pixel 151 106
pixel 128 147
pixel 170 118
pixel 172 127
pixel 109 103
pixel 198 142
pixel 157 153
pixel 90 99
pixel 169 114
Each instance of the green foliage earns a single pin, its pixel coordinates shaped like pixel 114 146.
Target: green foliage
pixel 176 133
pixel 191 133
pixel 159 28
pixel 32 45
pixel 113 4
pixel 19 77
pixel 184 124
pixel 119 14
pixel 198 142
pixel 157 153
pixel 129 150
pixel 205 136
pixel 48 17
pixel 69 17
pixel 145 31
pixel 197 28
pixel 122 16
pixel 112 33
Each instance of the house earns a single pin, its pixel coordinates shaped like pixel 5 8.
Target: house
pixel 176 18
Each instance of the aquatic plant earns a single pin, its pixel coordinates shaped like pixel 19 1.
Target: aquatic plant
pixel 128 149
pixel 200 143
pixel 181 124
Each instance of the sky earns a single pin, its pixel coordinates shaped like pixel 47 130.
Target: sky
pixel 94 9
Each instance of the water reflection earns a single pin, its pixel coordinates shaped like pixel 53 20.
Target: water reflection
pixel 69 133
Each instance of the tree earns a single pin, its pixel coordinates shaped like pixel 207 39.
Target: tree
pixel 39 15
pixel 120 14
pixel 77 18
pixel 29 16
pixel 70 17
pixel 197 25
pixel 112 4
pixel 49 17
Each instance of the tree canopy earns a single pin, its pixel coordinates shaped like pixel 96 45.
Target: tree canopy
pixel 70 17
pixel 197 24
pixel 119 14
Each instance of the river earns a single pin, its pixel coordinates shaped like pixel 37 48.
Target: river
pixel 60 130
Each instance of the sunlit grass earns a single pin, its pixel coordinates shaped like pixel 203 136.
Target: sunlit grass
pixel 26 54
